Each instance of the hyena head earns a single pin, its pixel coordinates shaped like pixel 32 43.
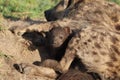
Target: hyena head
pixel 58 11
pixel 65 8
pixel 57 36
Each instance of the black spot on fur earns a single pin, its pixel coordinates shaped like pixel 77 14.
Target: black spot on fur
pixel 94 53
pixel 114 39
pixel 110 64
pixel 115 49
pixel 97 45
pixel 117 27
pixel 113 58
pixel 89 40
pixel 85 43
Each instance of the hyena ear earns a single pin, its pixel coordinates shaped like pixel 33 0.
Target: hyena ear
pixel 68 30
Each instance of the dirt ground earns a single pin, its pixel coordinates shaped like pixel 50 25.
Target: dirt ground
pixel 15 50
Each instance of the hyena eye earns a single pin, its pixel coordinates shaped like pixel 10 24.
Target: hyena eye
pixel 61 37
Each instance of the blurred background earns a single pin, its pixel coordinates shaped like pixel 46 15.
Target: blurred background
pixel 25 8
pixel 33 9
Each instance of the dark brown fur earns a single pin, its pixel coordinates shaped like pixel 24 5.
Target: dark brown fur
pixel 56 41
pixel 75 75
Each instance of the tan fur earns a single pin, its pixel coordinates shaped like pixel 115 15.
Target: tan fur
pixel 98 43
pixel 30 69
pixel 99 50
pixel 77 16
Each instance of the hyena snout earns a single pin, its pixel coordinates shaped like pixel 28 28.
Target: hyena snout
pixel 48 15
pixel 52 15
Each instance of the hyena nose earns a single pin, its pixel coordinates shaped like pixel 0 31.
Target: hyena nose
pixel 48 15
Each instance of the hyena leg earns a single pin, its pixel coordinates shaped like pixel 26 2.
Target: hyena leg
pixel 30 69
pixel 67 59
pixel 54 64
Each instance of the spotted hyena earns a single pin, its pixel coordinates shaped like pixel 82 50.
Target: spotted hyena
pixel 77 14
pixel 97 42
pixel 98 48
pixel 62 9
pixel 58 11
pixel 56 42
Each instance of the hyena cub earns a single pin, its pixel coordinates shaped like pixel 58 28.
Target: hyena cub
pixel 56 41
pixel 99 50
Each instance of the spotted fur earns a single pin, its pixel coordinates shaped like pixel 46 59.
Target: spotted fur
pixel 99 50
pixel 75 75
